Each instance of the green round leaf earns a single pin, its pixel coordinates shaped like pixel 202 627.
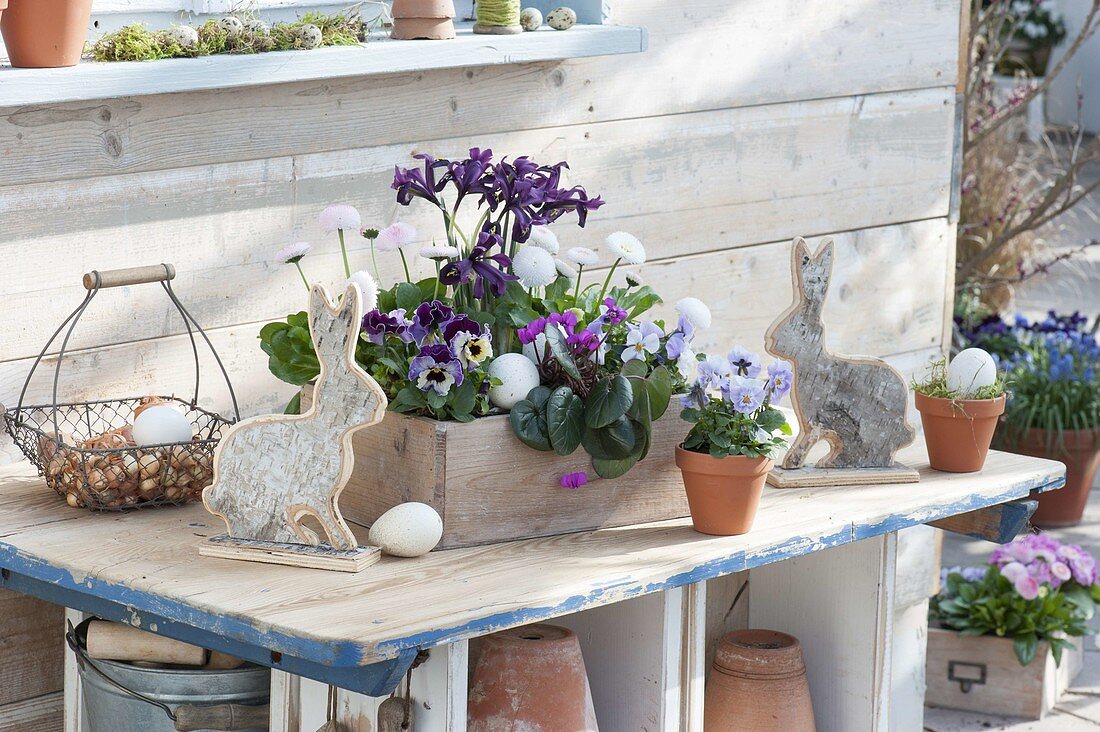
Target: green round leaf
pixel 529 424
pixel 611 442
pixel 565 420
pixel 608 401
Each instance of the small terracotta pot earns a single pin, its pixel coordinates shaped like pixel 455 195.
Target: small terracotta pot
pixel 44 34
pixel 723 493
pixel 431 20
pixel 758 682
pixel 3 4
pixel 1080 451
pixel 530 678
pixel 957 432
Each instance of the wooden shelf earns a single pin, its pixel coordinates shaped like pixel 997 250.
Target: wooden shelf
pixel 148 562
pixel 380 55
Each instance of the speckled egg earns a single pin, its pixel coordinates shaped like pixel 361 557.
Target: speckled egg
pixel 309 36
pixel 562 18
pixel 971 370
pixel 257 27
pixel 407 530
pixel 517 374
pixel 231 25
pixel 530 19
pixel 184 35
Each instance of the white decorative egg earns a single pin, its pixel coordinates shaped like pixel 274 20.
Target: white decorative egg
pixel 309 36
pixel 407 530
pixel 184 35
pixel 530 19
pixel 517 374
pixel 231 25
pixel 562 18
pixel 160 425
pixel 971 370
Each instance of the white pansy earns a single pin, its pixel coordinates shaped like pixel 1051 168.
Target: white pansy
pixel 534 267
pixel 626 247
pixel 543 238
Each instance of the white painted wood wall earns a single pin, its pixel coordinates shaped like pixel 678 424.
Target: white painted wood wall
pixel 746 123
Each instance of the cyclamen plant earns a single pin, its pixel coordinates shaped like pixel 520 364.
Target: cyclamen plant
pixel 731 407
pixel 1033 589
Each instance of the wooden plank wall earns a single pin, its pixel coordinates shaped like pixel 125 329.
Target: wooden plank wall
pixel 745 124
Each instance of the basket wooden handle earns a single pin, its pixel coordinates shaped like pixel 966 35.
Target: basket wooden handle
pixel 129 276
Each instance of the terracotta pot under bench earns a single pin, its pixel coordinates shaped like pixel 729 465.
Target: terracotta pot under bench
pixel 1080 451
pixel 489 487
pixel 982 674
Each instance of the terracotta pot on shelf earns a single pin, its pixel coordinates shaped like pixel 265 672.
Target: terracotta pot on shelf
pixel 957 432
pixel 530 678
pixel 723 493
pixel 3 4
pixel 44 34
pixel 758 682
pixel 1080 451
pixel 431 20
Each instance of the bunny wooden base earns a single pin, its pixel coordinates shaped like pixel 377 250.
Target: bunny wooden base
pixel 272 473
pixel 806 477
pixel 298 555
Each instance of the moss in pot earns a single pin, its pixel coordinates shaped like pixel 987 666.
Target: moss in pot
pixel 735 437
pixel 960 405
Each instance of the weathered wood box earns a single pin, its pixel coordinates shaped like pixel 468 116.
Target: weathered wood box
pixel 489 487
pixel 981 674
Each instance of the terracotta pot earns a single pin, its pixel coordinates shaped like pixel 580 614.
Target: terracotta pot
pixel 723 493
pixel 3 4
pixel 1080 451
pixel 430 20
pixel 533 679
pixel 758 682
pixel 957 432
pixel 43 34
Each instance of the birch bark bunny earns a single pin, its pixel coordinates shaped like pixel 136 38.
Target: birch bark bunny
pixel 856 404
pixel 271 472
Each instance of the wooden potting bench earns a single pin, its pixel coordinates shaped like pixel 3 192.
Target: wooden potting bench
pixel 645 600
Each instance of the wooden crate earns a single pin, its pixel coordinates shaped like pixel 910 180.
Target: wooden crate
pixel 489 487
pixel 996 682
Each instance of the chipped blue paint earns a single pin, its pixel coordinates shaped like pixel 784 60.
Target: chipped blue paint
pixel 186 619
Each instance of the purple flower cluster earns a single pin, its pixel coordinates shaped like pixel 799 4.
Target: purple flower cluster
pixel 450 344
pixel 531 194
pixel 1037 559
pixel 481 267
pixel 584 342
pixel 737 378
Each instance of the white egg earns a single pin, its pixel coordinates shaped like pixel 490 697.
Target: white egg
pixel 161 425
pixel 970 371
pixel 184 35
pixel 309 36
pixel 231 25
pixel 530 19
pixel 517 374
pixel 562 19
pixel 407 530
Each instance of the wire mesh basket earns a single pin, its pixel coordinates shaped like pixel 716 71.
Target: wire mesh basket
pixel 86 450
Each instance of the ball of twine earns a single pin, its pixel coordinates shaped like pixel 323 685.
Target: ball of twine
pixel 498 13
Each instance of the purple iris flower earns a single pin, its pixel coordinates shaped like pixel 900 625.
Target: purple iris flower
pixel 414 183
pixel 780 378
pixel 746 395
pixel 377 325
pixel 467 174
pixel 436 368
pixel 611 312
pixel 480 267
pixel 460 324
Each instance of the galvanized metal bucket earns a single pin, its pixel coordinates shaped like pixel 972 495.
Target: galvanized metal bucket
pixel 122 697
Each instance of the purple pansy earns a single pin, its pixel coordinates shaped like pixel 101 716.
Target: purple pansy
pixel 377 325
pixel 746 395
pixel 641 341
pixel 437 368
pixel 427 316
pixel 744 363
pixel 780 378
pixel 459 324
pixel 713 372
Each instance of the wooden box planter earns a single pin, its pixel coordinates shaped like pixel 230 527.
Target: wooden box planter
pixel 489 487
pixel 981 674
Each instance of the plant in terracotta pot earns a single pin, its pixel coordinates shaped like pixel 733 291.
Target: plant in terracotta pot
pixel 1054 367
pixel 735 437
pixel 960 405
pixel 45 33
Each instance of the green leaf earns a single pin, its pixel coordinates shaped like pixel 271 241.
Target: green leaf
pixel 608 401
pixel 294 406
pixel 386 301
pixel 635 367
pixel 555 339
pixel 1025 647
pixel 463 398
pixel 565 420
pixel 529 424
pixel 1081 599
pixel 427 288
pixel 408 296
pixel 612 469
pixel 637 301
pixel 611 442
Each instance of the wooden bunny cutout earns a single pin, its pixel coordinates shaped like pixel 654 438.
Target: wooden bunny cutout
pixel 273 471
pixel 856 404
